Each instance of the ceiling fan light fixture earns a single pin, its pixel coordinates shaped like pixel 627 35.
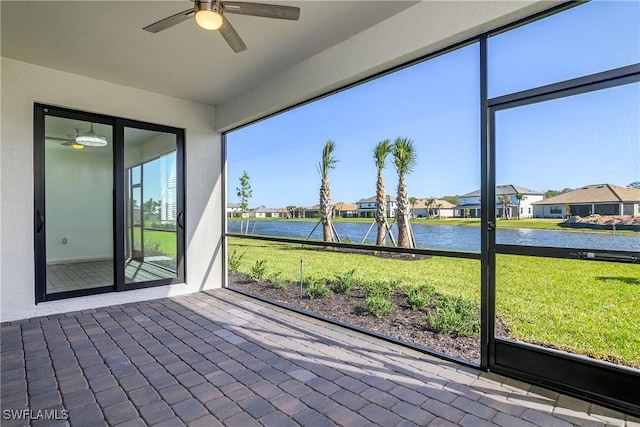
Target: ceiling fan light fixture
pixel 91 139
pixel 209 15
pixel 77 146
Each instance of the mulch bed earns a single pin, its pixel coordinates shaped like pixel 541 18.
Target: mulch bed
pixel 403 324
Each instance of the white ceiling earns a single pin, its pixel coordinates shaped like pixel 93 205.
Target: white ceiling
pixel 105 40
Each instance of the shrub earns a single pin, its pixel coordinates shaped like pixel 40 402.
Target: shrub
pixel 379 306
pixel 278 281
pixel 344 282
pixel 256 272
pixel 317 288
pixel 380 288
pixel 155 225
pixel 233 261
pixel 455 316
pixel 419 296
pixel 152 247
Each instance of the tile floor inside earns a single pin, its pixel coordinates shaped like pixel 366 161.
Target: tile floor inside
pixel 72 276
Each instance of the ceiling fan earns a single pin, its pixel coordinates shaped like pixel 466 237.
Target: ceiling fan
pixel 209 14
pixel 79 140
pixel 69 141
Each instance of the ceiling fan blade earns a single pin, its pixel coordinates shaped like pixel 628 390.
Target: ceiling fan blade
pixel 231 36
pixel 264 10
pixel 55 138
pixel 170 21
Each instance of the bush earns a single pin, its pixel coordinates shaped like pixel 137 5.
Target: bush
pixel 256 272
pixel 233 261
pixel 317 288
pixel 379 306
pixel 155 225
pixel 455 316
pixel 380 288
pixel 420 296
pixel 278 281
pixel 152 248
pixel 344 282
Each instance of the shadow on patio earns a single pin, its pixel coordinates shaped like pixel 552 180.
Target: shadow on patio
pixel 220 358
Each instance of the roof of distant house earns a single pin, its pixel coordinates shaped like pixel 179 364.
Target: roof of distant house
pixel 388 198
pixel 345 206
pixel 508 189
pixel 263 209
pixel 438 204
pixel 597 193
pixel 233 206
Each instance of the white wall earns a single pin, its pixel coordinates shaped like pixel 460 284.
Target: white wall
pixel 156 146
pixel 527 204
pixel 23 84
pixel 79 189
pixel 421 29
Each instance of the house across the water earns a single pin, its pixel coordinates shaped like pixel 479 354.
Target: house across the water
pixel 506 200
pixel 602 199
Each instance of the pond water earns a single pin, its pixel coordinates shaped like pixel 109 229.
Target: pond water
pixel 449 237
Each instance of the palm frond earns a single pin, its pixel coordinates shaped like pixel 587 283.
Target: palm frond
pixel 380 153
pixel 404 156
pixel 328 162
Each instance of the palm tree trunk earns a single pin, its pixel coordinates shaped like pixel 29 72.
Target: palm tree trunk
pixel 381 212
pixel 325 211
pixel 402 214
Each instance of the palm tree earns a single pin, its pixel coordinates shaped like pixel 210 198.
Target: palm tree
pixel 380 152
pixel 439 206
pixel 505 201
pixel 404 160
pixel 291 211
pixel 520 197
pixel 327 163
pixel 430 203
pixel 412 202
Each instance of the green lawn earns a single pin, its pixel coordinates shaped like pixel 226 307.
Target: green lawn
pixel 590 308
pixel 166 239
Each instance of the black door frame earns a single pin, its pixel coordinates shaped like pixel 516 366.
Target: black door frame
pixel 602 382
pixel 118 203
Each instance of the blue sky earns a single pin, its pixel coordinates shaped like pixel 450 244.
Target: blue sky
pixel 585 139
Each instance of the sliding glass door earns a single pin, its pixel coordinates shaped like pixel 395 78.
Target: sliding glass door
pixel 151 205
pixel 78 189
pixel 109 206
pixel 566 270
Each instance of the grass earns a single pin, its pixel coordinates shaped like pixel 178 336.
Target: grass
pixel 586 307
pixel 167 241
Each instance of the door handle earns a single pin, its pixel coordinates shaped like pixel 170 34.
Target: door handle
pixel 491 226
pixel 181 220
pixel 39 222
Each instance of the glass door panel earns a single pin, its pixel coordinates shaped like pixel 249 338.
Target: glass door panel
pixel 151 217
pixel 567 172
pixel 79 206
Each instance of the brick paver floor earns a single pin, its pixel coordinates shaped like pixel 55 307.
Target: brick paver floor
pixel 219 358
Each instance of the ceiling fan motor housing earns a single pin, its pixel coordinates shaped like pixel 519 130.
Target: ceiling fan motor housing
pixel 213 6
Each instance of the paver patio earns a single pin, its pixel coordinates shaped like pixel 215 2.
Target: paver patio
pixel 220 358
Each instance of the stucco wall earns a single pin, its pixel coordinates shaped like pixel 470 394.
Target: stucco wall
pixel 23 84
